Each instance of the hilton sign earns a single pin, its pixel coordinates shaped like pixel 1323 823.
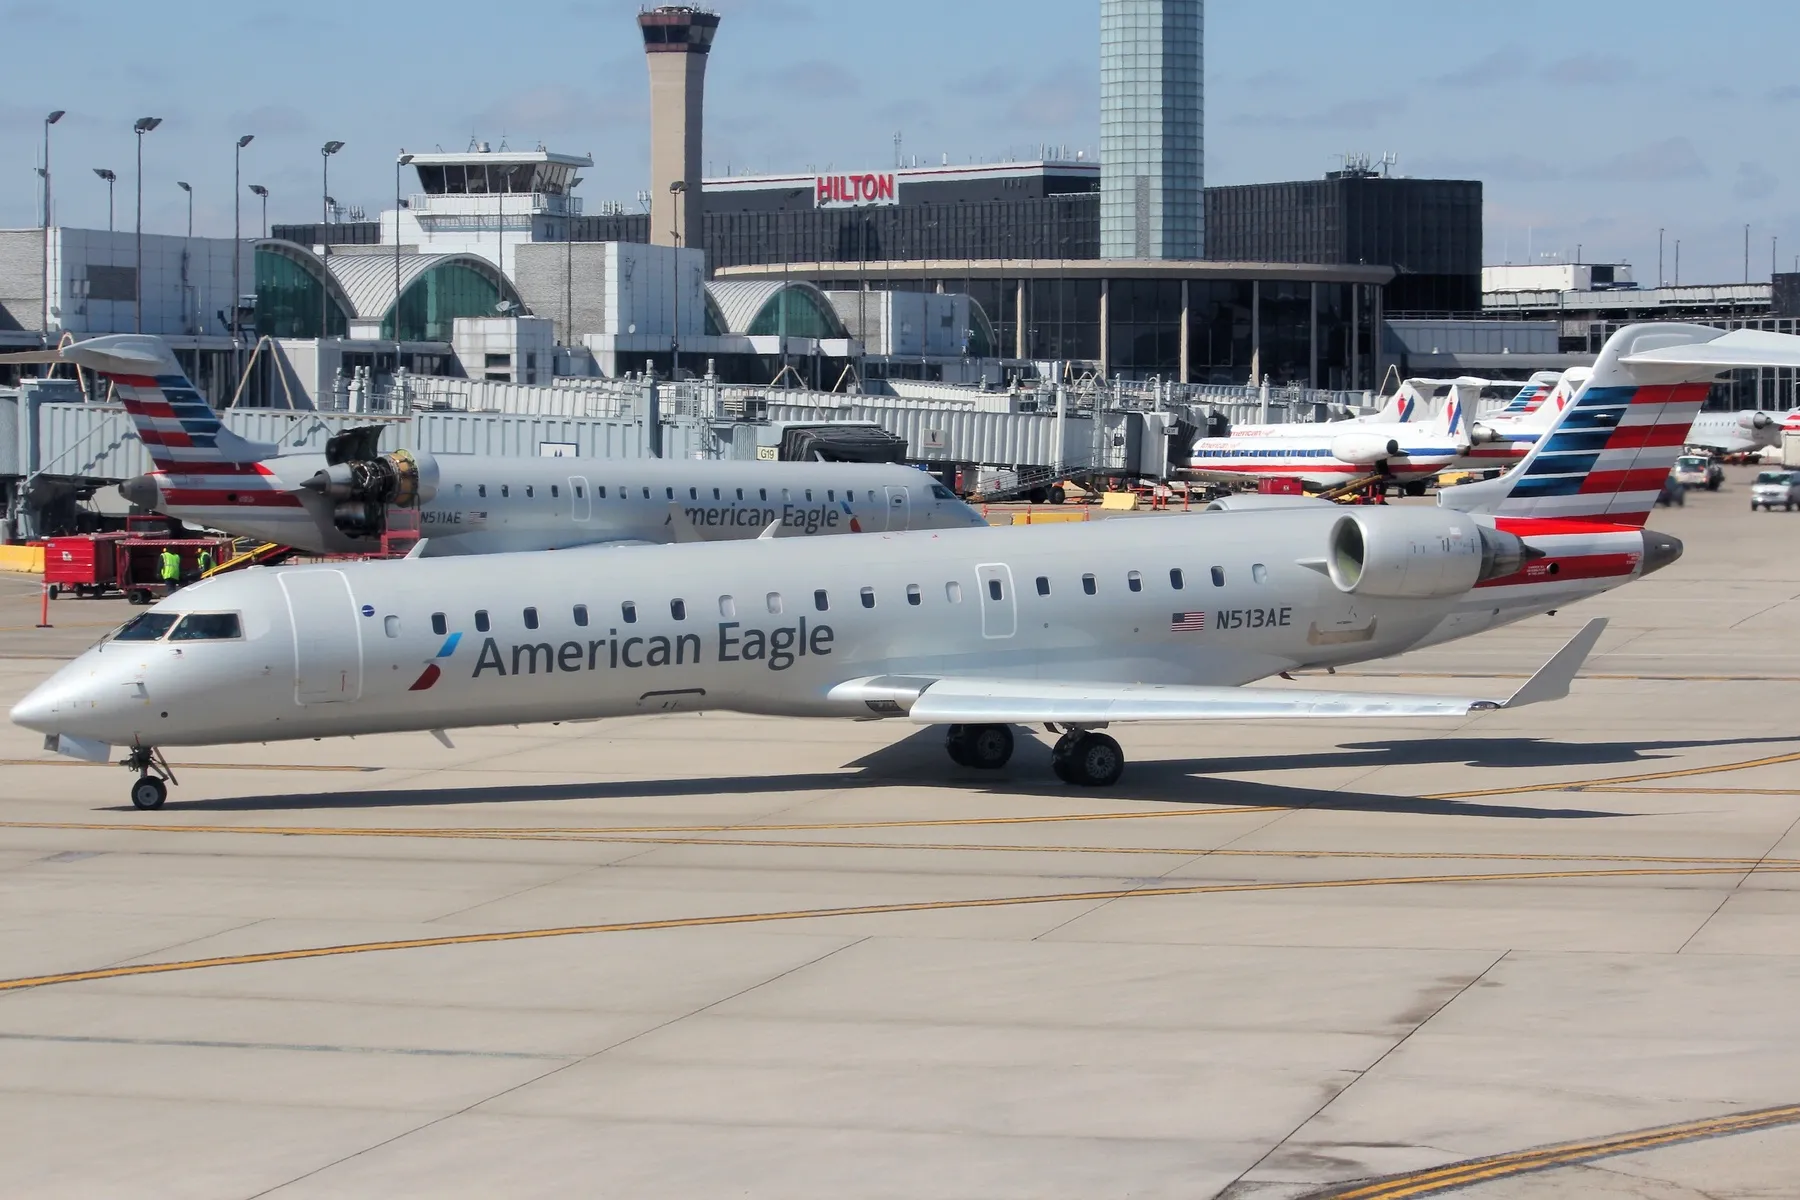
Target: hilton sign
pixel 854 191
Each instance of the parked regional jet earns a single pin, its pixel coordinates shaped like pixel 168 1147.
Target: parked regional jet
pixel 1321 455
pixel 1741 432
pixel 1071 626
pixel 340 501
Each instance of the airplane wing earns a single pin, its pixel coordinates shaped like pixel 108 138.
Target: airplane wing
pixel 1739 348
pixel 961 700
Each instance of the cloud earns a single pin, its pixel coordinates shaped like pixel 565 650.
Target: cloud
pixel 1601 70
pixel 1501 65
pixel 1785 94
pixel 819 75
pixel 1511 65
pixel 557 108
pixel 1658 162
pixel 1365 113
pixel 1499 168
pixel 1754 182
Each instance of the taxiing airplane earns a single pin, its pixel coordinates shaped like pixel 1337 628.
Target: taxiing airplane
pixel 1074 627
pixel 339 502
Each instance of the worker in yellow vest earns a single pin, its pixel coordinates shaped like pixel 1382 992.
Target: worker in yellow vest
pixel 171 568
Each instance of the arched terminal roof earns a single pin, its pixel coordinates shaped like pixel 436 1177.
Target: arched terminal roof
pixel 754 306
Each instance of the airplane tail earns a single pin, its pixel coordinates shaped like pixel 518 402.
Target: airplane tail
pixel 1531 394
pixel 180 431
pixel 1400 408
pixel 1608 451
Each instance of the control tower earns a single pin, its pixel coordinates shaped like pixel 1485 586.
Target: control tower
pixel 676 41
pixel 1152 140
pixel 486 202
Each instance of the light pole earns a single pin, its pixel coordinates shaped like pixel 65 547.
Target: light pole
pixel 50 120
pixel 569 262
pixel 111 179
pixel 187 250
pixel 1660 277
pixel 402 161
pixel 141 126
pixel 678 189
pixel 325 153
pixel 237 242
pixel 262 193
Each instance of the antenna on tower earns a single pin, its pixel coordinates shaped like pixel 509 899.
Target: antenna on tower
pixel 897 160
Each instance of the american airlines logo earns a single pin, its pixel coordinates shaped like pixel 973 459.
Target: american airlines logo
pixel 431 673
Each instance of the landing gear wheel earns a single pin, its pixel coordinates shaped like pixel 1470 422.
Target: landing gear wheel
pixel 984 747
pixel 1088 760
pixel 154 777
pixel 149 792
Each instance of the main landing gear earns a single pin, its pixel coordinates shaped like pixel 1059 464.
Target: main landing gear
pixel 985 747
pixel 1087 759
pixel 154 776
pixel 1081 757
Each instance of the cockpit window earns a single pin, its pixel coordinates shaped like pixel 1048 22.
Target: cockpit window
pixel 942 492
pixel 147 627
pixel 207 627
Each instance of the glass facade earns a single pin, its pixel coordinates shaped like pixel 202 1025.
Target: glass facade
pixel 431 303
pixel 289 300
pixel 807 316
pixel 1151 133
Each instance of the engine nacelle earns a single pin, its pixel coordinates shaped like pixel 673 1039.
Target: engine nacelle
pixel 1757 421
pixel 1364 448
pixel 1418 554
pixel 1482 435
pixel 363 489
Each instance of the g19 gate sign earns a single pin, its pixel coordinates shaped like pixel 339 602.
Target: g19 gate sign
pixel 854 191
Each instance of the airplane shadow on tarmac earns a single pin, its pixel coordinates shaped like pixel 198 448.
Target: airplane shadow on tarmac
pixel 919 761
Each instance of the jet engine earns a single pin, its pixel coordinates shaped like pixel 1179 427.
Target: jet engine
pixel 1760 420
pixel 363 484
pixel 1364 448
pixel 1418 554
pixel 1482 435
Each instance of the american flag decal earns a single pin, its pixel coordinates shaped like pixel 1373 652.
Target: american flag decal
pixel 1187 622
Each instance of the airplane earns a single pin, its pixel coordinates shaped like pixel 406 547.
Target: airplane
pixel 339 502
pixel 1741 432
pixel 1401 408
pixel 1074 627
pixel 1329 453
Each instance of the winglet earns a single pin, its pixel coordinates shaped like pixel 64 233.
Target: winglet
pixel 683 526
pixel 1553 678
pixel 770 531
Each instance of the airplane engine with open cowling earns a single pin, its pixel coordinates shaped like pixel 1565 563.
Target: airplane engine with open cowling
pixel 363 483
pixel 1364 449
pixel 1418 554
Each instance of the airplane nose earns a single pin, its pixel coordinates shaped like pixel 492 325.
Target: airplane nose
pixel 1659 550
pixel 36 711
pixel 142 491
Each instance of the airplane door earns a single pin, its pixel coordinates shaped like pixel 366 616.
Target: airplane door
pixel 999 615
pixel 899 509
pixel 327 637
pixel 580 503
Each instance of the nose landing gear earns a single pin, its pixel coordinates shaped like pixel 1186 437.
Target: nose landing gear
pixel 154 777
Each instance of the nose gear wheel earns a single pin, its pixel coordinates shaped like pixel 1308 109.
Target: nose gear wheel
pixel 154 776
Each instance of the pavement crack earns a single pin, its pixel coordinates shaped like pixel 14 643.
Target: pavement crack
pixel 1737 887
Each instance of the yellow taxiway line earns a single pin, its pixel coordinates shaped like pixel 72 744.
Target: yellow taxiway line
pixel 1503 1166
pixel 1617 780
pixel 856 910
pixel 192 766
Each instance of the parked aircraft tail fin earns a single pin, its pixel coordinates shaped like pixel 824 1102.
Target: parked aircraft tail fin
pixel 179 429
pixel 1608 451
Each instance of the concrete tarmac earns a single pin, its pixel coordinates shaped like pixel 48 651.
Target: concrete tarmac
pixel 712 955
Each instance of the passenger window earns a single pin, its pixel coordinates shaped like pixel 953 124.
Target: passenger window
pixel 775 602
pixel 505 490
pixel 727 607
pixel 787 495
pixel 1087 584
pixel 1218 576
pixel 148 627
pixel 553 492
pixel 1175 578
pixel 481 621
pixel 531 618
pixel 207 627
pixel 740 493
pixel 600 492
pixel 1259 573
pixel 581 615
pixel 481 490
pixel 809 495
pixel 391 624
pixel 678 609
pixel 646 493
pixel 669 493
pixel 529 491
pixel 578 494
pixel 1134 581
pixel 994 589
pixel 715 493
pixel 459 491
pixel 868 597
pixel 439 625
pixel 913 596
pixel 693 493
pixel 1043 585
pixel 953 592
pixel 821 601
pixel 628 611
pixel 762 493
pixel 831 493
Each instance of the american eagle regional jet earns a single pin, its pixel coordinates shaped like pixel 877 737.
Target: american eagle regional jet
pixel 1074 627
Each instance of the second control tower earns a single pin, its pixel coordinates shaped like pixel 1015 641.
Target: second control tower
pixel 676 41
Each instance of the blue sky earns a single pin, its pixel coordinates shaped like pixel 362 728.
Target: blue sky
pixel 1592 122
